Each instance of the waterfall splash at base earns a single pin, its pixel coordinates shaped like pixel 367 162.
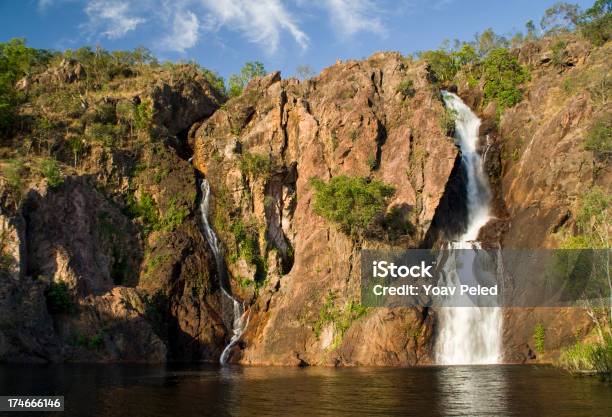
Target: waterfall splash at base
pixel 238 322
pixel 469 335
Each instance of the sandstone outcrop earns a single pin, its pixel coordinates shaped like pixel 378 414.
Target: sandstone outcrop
pixel 540 169
pixel 353 120
pixel 130 289
pixel 120 238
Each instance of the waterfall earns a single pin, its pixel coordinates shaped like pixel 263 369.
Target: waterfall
pixel 469 335
pixel 238 323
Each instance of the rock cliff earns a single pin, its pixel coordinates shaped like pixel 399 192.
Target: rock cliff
pixel 351 119
pixel 108 262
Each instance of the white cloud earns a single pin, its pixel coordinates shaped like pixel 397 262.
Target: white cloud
pixel 181 23
pixel 261 21
pixel 184 33
pixel 352 16
pixel 111 18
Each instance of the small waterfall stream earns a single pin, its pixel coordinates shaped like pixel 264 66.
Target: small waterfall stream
pixel 238 322
pixel 469 335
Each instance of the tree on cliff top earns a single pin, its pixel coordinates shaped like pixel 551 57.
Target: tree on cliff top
pixel 503 75
pixel 560 17
pixel 16 60
pixel 595 23
pixel 238 82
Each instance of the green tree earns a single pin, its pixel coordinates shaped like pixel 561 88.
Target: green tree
pixel 593 222
pixel 238 82
pixel 488 41
pixel 16 61
pixel 49 168
pixel 441 64
pixel 466 55
pixel 599 137
pixel 351 202
pixel 143 116
pixel 531 30
pixel 59 298
pixel 560 17
pixel 503 75
pixel 595 23
pixel 214 79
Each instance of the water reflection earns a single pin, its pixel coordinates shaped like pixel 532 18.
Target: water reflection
pixel 472 391
pixel 110 391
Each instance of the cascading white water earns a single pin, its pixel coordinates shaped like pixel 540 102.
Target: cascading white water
pixel 239 324
pixel 469 335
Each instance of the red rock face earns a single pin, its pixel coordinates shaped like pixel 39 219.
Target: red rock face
pixel 540 169
pixel 350 120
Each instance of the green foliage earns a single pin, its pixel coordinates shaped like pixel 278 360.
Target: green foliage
pixel 558 51
pixel 334 140
pixel 105 134
pixel 245 239
pixel 14 173
pixel 94 342
pixel 214 79
pixel 531 30
pixel 588 357
pixel 406 88
pixel 592 221
pixel 442 66
pixel 595 24
pixel 447 122
pixel 599 137
pixel 7 261
pixel 145 209
pixel 238 82
pixel 538 338
pixel 353 203
pixel 125 112
pixel 76 145
pixel 174 216
pixel 16 60
pixel 45 131
pixel 49 168
pixel 245 244
pixel 503 75
pixel 560 17
pixel 342 319
pixel 467 55
pixel 256 165
pixel 59 299
pixel 102 66
pixel 488 40
pixel 65 102
pixel 143 116
pixel 396 223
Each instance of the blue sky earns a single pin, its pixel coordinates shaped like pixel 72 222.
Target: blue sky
pixel 223 34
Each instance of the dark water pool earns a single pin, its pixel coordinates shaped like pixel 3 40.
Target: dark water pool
pixel 113 390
